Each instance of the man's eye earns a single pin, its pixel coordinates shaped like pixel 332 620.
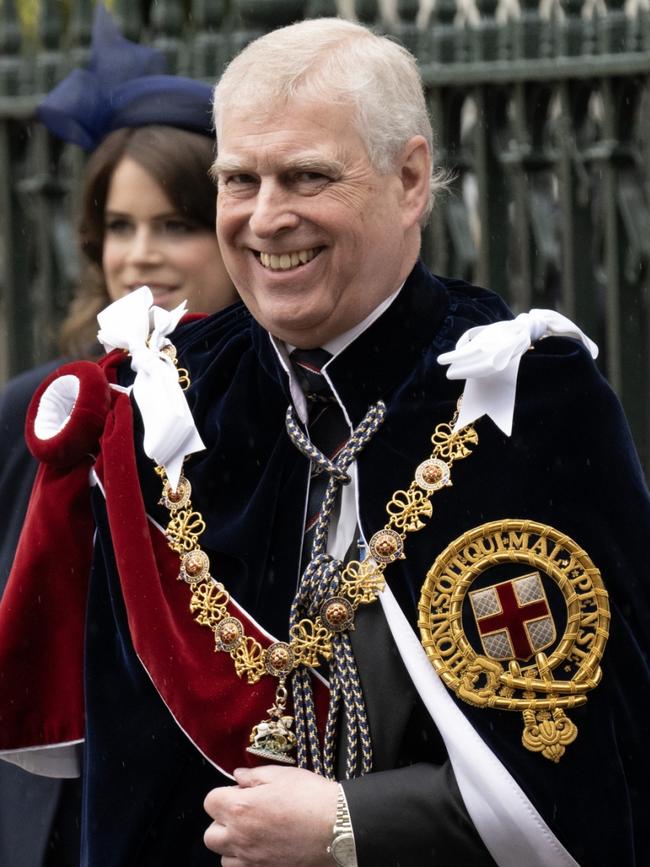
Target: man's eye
pixel 309 183
pixel 238 180
pixel 310 178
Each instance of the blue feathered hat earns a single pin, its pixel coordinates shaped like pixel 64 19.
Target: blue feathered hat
pixel 123 86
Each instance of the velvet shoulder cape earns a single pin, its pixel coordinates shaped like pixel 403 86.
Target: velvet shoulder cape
pixel 570 463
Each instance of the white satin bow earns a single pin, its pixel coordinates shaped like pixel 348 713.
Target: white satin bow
pixel 135 324
pixel 488 357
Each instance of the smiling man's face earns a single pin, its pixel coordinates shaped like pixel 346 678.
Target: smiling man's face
pixel 313 237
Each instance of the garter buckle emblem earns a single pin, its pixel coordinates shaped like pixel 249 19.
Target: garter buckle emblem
pixel 514 616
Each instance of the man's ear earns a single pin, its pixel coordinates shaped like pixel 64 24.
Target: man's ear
pixel 414 171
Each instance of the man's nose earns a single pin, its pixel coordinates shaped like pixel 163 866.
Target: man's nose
pixel 273 210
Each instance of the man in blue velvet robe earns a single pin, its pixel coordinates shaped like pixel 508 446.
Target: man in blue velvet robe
pixel 324 179
pixel 322 190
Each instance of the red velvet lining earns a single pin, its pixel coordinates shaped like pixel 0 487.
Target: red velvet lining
pixel 42 614
pixel 212 705
pixel 43 608
pixel 80 436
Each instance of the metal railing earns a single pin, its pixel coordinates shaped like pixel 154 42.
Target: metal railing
pixel 541 110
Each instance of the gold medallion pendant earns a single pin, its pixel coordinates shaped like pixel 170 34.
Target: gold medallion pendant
pixel 514 616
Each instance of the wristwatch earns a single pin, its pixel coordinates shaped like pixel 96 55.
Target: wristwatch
pixel 342 848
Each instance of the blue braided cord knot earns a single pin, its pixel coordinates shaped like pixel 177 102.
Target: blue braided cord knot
pixel 319 581
pixel 307 448
pixel 366 429
pixel 337 469
pixel 361 435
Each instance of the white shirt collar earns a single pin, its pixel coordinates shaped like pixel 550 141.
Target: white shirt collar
pixel 338 344
pixel 334 346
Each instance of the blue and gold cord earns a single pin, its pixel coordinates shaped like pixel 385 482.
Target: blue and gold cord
pixel 320 581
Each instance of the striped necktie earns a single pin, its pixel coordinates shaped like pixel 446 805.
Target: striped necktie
pixel 328 430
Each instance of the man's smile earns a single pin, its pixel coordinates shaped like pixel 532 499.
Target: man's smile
pixel 286 261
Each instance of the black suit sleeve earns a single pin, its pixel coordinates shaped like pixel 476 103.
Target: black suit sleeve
pixel 409 812
pixel 413 816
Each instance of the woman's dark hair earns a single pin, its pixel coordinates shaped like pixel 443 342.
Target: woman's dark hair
pixel 179 161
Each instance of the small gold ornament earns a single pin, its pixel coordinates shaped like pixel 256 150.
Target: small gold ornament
pixel 228 634
pixel 433 474
pixel 184 529
pixel 515 626
pixel 386 546
pixel 362 582
pixel 453 446
pixel 548 733
pixel 272 738
pixel 183 376
pixel 311 642
pixel 407 508
pixel 195 566
pixel 178 499
pixel 278 659
pixel 208 602
pixel 337 614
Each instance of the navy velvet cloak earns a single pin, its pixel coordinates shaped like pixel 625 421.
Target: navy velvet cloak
pixel 569 463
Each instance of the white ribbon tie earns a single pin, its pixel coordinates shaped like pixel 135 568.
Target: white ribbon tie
pixel 488 357
pixel 133 323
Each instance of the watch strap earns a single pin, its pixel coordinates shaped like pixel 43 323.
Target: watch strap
pixel 343 829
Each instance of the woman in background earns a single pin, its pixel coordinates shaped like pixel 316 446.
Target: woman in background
pixel 147 217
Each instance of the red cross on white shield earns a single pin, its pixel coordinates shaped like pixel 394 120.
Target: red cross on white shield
pixel 513 617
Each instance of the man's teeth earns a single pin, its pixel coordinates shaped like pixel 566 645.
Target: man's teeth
pixel 285 261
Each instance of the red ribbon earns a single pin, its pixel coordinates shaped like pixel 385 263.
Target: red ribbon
pixel 42 612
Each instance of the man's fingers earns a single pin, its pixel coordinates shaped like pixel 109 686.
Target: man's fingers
pixel 216 840
pixel 210 803
pixel 250 824
pixel 216 801
pixel 247 777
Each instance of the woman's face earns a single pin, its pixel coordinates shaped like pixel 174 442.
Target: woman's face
pixel 148 242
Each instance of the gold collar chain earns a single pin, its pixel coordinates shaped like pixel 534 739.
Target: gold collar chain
pixel 310 640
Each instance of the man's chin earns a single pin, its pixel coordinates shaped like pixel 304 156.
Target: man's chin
pixel 290 321
pixel 301 333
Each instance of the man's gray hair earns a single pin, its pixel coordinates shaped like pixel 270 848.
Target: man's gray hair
pixel 331 60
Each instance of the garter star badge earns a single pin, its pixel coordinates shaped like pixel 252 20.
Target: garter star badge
pixel 514 616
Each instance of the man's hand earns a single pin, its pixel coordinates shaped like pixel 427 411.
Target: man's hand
pixel 273 817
